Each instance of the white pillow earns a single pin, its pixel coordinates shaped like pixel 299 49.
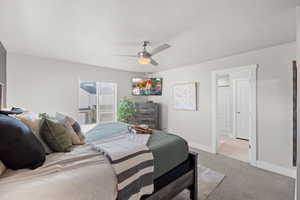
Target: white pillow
pixel 2 168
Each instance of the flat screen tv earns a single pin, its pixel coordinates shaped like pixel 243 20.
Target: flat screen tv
pixel 146 86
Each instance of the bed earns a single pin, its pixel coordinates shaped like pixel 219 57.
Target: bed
pixel 86 174
pixel 174 165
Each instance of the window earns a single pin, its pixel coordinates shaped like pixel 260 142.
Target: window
pixel 97 102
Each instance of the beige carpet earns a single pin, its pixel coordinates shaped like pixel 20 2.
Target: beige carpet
pixel 245 182
pixel 208 180
pixel 234 148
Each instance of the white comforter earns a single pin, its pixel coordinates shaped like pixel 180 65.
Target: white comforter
pixel 82 174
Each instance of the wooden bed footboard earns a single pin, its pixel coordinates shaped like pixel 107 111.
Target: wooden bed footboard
pixel 187 181
pixel 194 187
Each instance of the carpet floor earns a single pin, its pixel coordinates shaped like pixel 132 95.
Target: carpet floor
pixel 208 180
pixel 244 182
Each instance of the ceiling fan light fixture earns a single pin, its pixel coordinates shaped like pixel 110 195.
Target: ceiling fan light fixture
pixel 144 60
pixel 144 57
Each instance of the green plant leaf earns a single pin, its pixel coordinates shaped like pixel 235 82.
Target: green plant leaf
pixel 126 110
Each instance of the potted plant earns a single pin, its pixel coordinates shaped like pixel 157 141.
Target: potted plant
pixel 126 110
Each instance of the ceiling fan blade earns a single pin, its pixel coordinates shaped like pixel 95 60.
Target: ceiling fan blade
pixel 160 48
pixel 153 62
pixel 133 56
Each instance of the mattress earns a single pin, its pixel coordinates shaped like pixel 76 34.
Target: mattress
pixel 168 150
pixel 77 175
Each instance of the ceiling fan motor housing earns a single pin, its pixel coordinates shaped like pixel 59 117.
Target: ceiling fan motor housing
pixel 143 54
pixel 144 57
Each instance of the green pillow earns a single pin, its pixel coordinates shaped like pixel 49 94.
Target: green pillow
pixel 55 134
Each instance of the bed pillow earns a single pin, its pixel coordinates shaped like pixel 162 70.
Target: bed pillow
pixel 32 120
pixel 75 125
pixel 75 138
pixel 2 168
pixel 56 135
pixel 19 148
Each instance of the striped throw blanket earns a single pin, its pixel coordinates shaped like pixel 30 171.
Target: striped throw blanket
pixel 133 164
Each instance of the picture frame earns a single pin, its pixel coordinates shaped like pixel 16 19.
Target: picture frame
pixel 185 96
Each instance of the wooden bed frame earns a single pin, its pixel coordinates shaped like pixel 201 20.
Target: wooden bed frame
pixel 189 181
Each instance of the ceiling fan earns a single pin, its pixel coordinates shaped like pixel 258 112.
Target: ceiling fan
pixel 144 57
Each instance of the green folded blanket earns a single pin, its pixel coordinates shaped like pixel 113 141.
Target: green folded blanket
pixel 168 150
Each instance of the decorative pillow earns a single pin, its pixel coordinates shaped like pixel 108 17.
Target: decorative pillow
pixel 75 125
pixel 19 148
pixel 2 168
pixel 75 138
pixel 56 135
pixel 32 120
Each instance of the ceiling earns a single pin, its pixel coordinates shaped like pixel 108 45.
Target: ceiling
pixel 94 32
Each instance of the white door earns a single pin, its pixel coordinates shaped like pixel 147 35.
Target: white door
pixel 106 102
pixel 224 111
pixel 242 104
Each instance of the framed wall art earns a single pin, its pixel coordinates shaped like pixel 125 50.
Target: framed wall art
pixel 185 96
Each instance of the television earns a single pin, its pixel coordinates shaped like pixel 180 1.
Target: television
pixel 147 86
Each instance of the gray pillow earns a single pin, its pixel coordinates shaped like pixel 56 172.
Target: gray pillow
pixel 75 125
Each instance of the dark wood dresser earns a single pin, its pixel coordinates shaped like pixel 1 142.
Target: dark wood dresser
pixel 147 113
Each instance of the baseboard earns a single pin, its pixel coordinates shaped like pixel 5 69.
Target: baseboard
pixel 290 172
pixel 200 147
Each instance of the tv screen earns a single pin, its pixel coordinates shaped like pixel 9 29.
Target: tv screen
pixel 146 86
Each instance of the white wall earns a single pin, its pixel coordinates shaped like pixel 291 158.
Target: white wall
pixel 47 85
pixel 274 101
pixel 298 33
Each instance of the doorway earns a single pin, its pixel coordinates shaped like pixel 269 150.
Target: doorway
pixel 97 102
pixel 234 113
